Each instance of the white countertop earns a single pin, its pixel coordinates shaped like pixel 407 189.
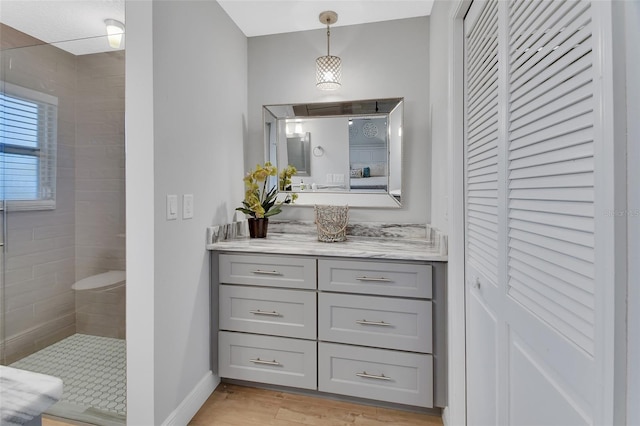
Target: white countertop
pixel 358 247
pixel 25 395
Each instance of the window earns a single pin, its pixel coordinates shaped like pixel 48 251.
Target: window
pixel 28 139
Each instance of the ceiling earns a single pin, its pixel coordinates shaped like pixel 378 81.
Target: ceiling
pixel 263 17
pixel 58 21
pixel 78 25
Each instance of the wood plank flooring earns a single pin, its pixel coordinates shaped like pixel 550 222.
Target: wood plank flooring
pixel 233 405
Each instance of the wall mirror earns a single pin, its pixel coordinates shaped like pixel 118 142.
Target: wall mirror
pixel 345 152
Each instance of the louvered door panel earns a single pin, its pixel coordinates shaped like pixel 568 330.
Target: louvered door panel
pixel 482 192
pixel 550 166
pixel 482 142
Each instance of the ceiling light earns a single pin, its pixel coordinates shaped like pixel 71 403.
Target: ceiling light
pixel 115 31
pixel 328 68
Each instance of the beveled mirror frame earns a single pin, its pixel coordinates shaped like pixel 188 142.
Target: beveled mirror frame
pixel 275 134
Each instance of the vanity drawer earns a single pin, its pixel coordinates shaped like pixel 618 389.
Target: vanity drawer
pixel 272 271
pixel 289 313
pixel 384 322
pixel 400 377
pixel 383 278
pixel 267 359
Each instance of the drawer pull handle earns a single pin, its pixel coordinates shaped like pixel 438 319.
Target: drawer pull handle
pixel 380 323
pixel 378 279
pixel 262 272
pixel 261 361
pixel 373 376
pixel 271 314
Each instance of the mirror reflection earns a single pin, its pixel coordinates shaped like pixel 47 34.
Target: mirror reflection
pixel 298 153
pixel 348 148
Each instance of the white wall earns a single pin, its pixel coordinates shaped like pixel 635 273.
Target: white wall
pixel 332 135
pixel 439 48
pixel 192 144
pixel 446 119
pixel 379 60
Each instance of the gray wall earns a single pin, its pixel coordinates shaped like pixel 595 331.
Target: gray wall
pixel 379 60
pixel 186 122
pixel 631 13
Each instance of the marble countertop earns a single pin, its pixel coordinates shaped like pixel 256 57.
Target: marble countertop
pixel 25 395
pixel 354 246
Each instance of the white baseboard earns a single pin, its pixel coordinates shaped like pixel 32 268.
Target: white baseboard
pixel 192 402
pixel 445 416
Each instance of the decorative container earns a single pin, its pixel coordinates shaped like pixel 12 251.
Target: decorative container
pixel 258 227
pixel 331 222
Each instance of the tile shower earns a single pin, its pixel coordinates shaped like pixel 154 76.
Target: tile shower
pixel 47 251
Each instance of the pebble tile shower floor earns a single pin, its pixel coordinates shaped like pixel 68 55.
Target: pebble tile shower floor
pixel 93 371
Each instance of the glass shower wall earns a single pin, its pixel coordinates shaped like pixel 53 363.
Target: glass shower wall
pixel 39 250
pixel 62 174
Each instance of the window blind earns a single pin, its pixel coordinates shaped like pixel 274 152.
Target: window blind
pixel 28 139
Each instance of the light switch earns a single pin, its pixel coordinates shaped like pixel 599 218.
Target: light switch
pixel 338 178
pixel 172 207
pixel 187 206
pixel 329 177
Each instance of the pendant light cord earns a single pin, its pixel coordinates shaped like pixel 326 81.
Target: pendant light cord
pixel 328 38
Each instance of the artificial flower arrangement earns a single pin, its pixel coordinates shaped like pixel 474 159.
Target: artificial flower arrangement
pixel 285 182
pixel 259 201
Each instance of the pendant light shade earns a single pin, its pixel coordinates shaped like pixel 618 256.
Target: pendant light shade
pixel 328 68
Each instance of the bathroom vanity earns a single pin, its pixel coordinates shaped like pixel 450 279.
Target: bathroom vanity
pixel 362 318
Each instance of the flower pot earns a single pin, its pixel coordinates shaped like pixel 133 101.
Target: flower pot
pixel 258 227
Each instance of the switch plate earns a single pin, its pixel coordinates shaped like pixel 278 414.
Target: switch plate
pixel 172 207
pixel 187 206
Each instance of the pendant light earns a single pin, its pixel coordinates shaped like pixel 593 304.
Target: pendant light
pixel 328 68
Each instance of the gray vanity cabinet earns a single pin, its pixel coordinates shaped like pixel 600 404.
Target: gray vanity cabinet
pixel 392 360
pixel 355 327
pixel 268 319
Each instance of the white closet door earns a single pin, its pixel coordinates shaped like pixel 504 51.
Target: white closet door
pixel 483 192
pixel 549 296
pixel 532 346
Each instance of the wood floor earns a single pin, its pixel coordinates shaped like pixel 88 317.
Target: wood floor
pixel 233 405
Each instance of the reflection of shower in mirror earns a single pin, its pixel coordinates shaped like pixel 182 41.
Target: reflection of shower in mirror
pixel 298 153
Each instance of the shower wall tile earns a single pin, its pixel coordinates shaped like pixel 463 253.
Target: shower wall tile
pixel 32 341
pixel 100 166
pixel 53 231
pixel 100 189
pixel 101 312
pixel 50 268
pixel 56 306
